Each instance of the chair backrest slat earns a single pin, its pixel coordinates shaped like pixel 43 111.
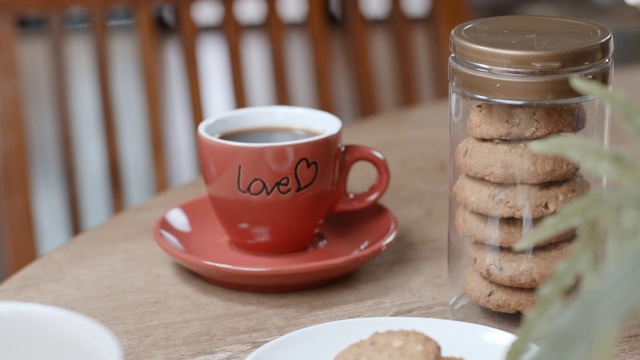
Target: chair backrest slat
pixel 276 34
pixel 16 228
pixel 317 24
pixel 62 104
pixel 188 34
pixel 58 5
pixel 17 241
pixel 404 55
pixel 359 43
pixel 445 15
pixel 233 33
pixel 100 34
pixel 145 25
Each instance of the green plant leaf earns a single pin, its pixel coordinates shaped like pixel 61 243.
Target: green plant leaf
pixel 571 216
pixel 591 156
pixel 620 102
pixel 588 320
pixel 585 326
pixel 607 344
pixel 549 297
pixel 622 229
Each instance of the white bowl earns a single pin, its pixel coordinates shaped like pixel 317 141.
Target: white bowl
pixel 35 331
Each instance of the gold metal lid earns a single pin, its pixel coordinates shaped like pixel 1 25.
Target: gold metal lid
pixel 532 42
pixel 494 54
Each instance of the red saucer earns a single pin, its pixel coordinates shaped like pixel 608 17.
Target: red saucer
pixel 191 234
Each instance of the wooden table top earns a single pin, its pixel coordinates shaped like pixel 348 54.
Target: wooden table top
pixel 117 274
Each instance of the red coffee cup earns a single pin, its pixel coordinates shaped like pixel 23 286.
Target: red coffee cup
pixel 274 173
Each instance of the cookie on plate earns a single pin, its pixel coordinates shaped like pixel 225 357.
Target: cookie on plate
pixel 528 269
pixel 509 162
pixel 497 297
pixel 396 344
pixel 504 232
pixel 502 121
pixel 517 200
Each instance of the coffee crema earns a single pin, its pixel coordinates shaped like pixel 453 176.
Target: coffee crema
pixel 268 135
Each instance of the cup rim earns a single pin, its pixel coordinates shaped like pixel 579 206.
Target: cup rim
pixel 330 125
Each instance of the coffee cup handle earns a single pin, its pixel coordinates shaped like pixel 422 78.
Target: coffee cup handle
pixel 346 201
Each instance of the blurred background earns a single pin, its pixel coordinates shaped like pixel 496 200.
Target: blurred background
pixel 47 179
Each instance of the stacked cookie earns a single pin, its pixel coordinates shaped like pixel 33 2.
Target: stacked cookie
pixel 504 189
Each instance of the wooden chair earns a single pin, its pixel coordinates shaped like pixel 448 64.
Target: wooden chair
pixel 17 246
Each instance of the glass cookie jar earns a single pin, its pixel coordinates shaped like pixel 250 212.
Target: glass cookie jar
pixel 509 85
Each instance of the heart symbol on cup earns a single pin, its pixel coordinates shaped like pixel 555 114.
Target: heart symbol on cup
pixel 306 172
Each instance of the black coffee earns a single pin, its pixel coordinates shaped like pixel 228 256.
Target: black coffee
pixel 267 135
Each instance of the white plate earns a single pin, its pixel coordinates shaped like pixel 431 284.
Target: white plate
pixel 35 331
pixel 325 341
